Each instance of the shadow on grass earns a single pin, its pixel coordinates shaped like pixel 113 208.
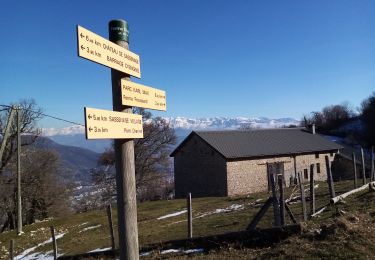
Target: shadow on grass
pixel 254 238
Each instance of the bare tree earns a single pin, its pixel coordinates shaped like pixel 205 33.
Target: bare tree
pixel 30 114
pixel 152 161
pixel 368 119
pixel 330 118
pixel 44 190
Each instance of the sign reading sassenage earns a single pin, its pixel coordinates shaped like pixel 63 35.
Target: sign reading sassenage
pixel 138 95
pixel 95 48
pixel 105 124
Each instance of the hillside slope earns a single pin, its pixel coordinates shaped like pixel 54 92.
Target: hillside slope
pixel 342 231
pixel 77 160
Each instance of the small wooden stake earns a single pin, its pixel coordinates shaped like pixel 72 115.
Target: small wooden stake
pixel 54 244
pixel 282 200
pixel 260 214
pixel 329 178
pixel 290 213
pixel 363 167
pixel 190 216
pixel 312 190
pixel 302 191
pixel 276 206
pixel 11 249
pixel 354 170
pixel 110 223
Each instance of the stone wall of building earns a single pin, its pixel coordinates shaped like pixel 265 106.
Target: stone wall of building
pixel 249 176
pixel 199 169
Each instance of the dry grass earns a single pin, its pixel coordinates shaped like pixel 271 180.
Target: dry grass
pixel 341 231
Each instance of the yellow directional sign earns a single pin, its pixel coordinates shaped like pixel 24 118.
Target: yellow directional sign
pixel 138 95
pixel 105 124
pixel 98 49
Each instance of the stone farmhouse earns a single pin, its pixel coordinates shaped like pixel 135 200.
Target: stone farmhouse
pixel 230 163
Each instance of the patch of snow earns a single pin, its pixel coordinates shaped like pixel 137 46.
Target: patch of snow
pixel 169 251
pixel 29 250
pixel 84 223
pixel 335 139
pixel 180 250
pixel 145 254
pixel 233 207
pixel 89 228
pixel 194 251
pixel 100 250
pixel 78 187
pixel 45 256
pixel 172 214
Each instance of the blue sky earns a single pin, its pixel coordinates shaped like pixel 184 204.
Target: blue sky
pixel 213 58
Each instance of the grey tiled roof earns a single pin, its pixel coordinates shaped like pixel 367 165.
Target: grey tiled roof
pixel 265 142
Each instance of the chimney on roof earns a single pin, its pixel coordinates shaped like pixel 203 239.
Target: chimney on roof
pixel 312 128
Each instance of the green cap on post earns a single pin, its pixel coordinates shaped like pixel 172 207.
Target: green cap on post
pixel 118 31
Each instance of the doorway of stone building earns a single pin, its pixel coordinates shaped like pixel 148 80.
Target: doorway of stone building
pixel 274 169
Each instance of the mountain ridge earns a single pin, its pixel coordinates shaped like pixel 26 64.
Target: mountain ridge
pixel 75 135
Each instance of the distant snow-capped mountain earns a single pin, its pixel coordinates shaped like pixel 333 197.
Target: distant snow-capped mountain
pixel 75 135
pixel 70 130
pixel 215 123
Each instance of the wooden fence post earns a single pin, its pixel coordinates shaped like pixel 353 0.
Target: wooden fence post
pixel 329 178
pixel 303 201
pixel 190 216
pixel 110 223
pixel 354 170
pixel 282 200
pixel 275 202
pixel 11 249
pixel 312 190
pixel 54 244
pixel 291 181
pixel 363 167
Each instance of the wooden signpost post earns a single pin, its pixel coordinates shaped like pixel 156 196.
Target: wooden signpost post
pixel 120 124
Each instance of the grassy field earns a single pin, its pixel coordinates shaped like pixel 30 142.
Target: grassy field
pixel 341 231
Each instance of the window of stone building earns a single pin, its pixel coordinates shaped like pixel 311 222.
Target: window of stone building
pixel 305 174
pixel 331 154
pixel 318 167
pixel 316 156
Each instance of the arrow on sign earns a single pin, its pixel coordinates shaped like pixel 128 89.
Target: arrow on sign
pixel 82 48
pixel 89 116
pixel 90 129
pixel 82 35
